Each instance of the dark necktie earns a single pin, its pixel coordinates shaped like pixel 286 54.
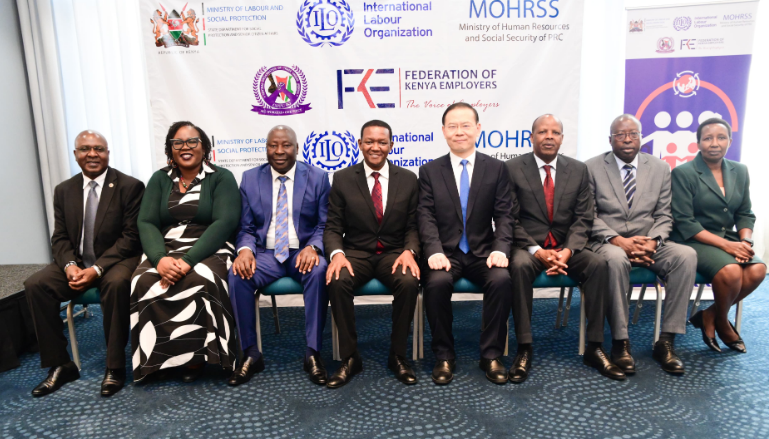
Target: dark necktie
pixel 376 197
pixel 549 188
pixel 629 184
pixel 89 218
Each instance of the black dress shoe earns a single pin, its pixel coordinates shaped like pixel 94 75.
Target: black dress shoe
pixel 596 358
pixel 57 377
pixel 443 372
pixel 519 371
pixel 666 356
pixel 114 380
pixel 190 374
pixel 495 370
pixel 350 367
pixel 620 355
pixel 696 321
pixel 736 345
pixel 244 373
pixel 317 371
pixel 401 369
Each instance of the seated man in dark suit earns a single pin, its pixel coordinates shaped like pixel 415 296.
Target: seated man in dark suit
pixel 554 213
pixel 371 232
pixel 281 234
pixel 95 243
pixel 460 194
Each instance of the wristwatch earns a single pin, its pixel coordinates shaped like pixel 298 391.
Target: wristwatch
pixel 317 250
pixel 748 240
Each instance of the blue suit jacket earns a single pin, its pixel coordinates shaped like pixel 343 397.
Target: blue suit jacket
pixel 310 208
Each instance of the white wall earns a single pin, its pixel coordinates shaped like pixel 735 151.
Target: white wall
pixel 23 229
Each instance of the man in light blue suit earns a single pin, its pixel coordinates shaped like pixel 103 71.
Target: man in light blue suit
pixel 285 204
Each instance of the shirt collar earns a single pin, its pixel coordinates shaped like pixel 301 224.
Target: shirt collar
pixel 457 160
pixel 99 180
pixel 622 164
pixel 384 172
pixel 290 173
pixel 541 163
pixel 173 173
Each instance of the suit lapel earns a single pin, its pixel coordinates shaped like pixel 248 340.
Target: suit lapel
pixel 561 181
pixel 77 205
pixel 300 186
pixel 730 179
pixel 641 178
pixel 706 175
pixel 265 192
pixel 360 177
pixel 451 184
pixel 476 182
pixel 531 172
pixel 612 173
pixel 392 192
pixel 110 186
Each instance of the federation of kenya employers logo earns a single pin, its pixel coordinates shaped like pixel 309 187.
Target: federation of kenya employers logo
pixel 280 91
pixel 331 151
pixel 321 22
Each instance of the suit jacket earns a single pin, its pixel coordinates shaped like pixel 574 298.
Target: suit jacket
pixel 310 206
pixel 572 203
pixel 352 225
pixel 116 236
pixel 650 214
pixel 440 210
pixel 699 205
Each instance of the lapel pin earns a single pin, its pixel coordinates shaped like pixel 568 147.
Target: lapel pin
pixel 112 185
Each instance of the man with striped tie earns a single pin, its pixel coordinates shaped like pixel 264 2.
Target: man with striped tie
pixel 554 214
pixel 633 219
pixel 285 203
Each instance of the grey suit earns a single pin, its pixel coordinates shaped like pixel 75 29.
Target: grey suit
pixel 651 216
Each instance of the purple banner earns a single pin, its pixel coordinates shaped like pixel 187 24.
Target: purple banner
pixel 671 96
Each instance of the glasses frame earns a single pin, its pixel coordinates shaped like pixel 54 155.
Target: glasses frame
pixel 635 135
pixel 197 140
pixel 87 149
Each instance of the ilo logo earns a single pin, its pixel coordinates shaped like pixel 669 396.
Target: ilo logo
pixel 682 23
pixel 321 22
pixel 331 151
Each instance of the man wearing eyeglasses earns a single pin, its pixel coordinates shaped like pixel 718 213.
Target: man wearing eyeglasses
pixel 633 220
pixel 95 243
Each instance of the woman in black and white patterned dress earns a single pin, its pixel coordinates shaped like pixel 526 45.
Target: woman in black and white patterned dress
pixel 181 313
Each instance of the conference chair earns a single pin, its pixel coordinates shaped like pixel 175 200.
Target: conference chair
pixel 702 281
pixel 91 296
pixel 287 285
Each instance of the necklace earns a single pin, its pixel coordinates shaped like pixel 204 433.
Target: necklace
pixel 181 178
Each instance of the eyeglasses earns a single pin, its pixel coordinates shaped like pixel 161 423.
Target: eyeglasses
pixel 622 136
pixel 86 149
pixel 192 143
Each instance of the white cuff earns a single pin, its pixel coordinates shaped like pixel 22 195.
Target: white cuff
pixel 335 252
pixel 533 249
pixel 246 247
pixel 435 254
pixel 497 251
pixel 97 269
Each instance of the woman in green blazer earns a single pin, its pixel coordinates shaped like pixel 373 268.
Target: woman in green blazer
pixel 712 214
pixel 181 314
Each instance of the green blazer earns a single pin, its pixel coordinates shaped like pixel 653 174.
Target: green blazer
pixel 699 205
pixel 219 209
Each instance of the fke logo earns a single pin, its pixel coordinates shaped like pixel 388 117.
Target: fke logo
pixel 175 29
pixel 280 91
pixel 321 22
pixel 377 87
pixel 665 45
pixel 682 23
pixel 331 151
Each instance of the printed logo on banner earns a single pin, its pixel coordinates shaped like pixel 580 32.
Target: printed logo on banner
pixel 280 91
pixel 321 22
pixel 175 29
pixel 682 23
pixel 637 26
pixel 686 84
pixel 383 83
pixel 665 45
pixel 331 151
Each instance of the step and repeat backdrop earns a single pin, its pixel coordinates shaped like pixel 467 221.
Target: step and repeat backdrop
pixel 325 67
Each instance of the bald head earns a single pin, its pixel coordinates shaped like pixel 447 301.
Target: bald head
pixel 88 136
pixel 625 117
pixel 284 129
pixel 544 116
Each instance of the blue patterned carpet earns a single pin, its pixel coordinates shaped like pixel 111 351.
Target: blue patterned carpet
pixel 721 395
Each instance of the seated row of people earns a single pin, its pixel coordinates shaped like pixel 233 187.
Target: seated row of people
pixel 190 298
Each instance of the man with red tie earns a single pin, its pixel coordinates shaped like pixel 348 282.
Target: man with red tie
pixel 371 233
pixel 553 209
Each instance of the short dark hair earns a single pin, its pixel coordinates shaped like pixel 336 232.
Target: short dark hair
pixel 459 105
pixel 377 123
pixel 712 121
pixel 203 139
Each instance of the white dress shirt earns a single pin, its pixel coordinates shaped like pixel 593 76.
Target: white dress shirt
pixel 384 180
pixel 542 176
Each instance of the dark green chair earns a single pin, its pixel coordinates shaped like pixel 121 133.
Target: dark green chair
pixel 91 296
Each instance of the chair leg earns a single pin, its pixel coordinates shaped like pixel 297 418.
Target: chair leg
pixel 507 338
pixel 568 306
pixel 560 309
pixel 657 313
pixel 421 305
pixel 86 314
pixel 639 304
pixel 415 332
pixel 696 304
pixel 582 325
pixel 275 315
pixel 258 327
pixel 334 340
pixel 630 294
pixel 72 337
pixel 738 317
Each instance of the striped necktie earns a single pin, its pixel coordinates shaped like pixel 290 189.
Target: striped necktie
pixel 281 223
pixel 629 184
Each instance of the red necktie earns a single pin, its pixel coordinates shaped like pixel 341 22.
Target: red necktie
pixel 549 197
pixel 376 197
